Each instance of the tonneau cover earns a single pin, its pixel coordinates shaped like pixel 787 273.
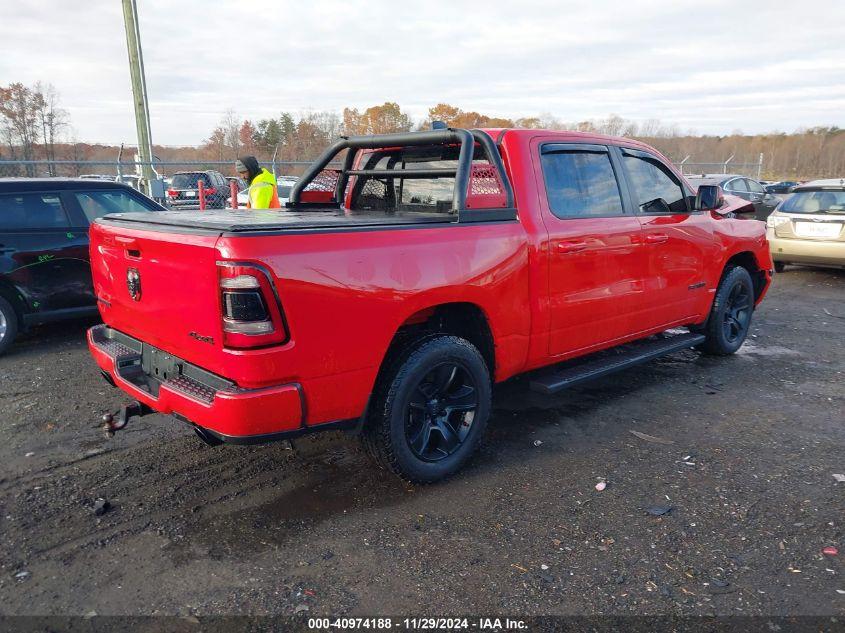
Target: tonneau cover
pixel 247 220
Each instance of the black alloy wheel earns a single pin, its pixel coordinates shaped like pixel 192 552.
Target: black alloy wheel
pixel 730 316
pixel 429 409
pixel 441 411
pixel 737 313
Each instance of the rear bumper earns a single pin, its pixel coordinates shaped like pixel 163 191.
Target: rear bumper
pixel 203 399
pixel 800 251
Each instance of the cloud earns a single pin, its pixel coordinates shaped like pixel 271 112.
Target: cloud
pixel 712 67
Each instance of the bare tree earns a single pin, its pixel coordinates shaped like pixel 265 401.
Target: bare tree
pixel 51 118
pixel 231 125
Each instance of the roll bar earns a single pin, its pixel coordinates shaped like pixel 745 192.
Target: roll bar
pixel 449 136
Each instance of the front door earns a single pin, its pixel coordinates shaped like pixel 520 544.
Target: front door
pixel 596 257
pixel 677 239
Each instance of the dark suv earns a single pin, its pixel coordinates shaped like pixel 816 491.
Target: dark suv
pixel 183 192
pixel 44 267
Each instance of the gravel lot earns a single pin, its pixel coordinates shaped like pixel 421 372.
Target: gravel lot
pixel 748 448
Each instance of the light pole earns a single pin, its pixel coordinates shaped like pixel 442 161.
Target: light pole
pixel 139 93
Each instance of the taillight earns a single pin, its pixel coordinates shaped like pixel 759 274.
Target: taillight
pixel 210 191
pixel 172 193
pixel 251 312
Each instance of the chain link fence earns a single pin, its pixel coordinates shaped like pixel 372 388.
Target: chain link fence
pixel 179 180
pixel 750 170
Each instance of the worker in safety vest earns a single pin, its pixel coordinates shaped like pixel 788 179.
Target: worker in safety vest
pixel 262 184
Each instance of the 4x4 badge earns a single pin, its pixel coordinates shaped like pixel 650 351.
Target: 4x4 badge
pixel 133 283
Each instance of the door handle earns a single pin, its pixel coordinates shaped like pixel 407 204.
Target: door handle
pixel 571 247
pixel 656 238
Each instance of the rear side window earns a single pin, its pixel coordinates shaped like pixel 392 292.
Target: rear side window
pixel 96 204
pixel 754 186
pixel 32 211
pixel 653 182
pixel 580 183
pixel 737 184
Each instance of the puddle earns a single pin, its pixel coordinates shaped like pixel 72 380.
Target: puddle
pixel 299 507
pixel 769 350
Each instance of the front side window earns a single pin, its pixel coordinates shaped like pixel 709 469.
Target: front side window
pixel 656 189
pixel 32 211
pixel 581 184
pixel 96 204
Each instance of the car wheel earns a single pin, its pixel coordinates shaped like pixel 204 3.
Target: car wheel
pixel 8 324
pixel 780 267
pixel 429 409
pixel 730 316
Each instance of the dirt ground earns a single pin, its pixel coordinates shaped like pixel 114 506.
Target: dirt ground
pixel 749 446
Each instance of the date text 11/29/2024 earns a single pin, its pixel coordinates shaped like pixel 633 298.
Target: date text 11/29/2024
pixel 418 624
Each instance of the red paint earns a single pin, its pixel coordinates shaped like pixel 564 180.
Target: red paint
pixel 830 551
pixel 550 289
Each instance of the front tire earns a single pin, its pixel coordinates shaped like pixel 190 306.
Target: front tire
pixel 430 409
pixel 8 324
pixel 730 316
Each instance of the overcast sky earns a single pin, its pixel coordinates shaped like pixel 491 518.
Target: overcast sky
pixel 712 67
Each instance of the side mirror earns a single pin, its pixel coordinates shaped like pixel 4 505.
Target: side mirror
pixel 709 197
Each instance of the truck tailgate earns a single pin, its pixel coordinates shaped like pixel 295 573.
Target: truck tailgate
pixel 160 287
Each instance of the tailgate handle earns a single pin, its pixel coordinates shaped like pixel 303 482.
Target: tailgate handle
pixel 131 245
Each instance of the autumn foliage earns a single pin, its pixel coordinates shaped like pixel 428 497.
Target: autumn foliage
pixel 34 127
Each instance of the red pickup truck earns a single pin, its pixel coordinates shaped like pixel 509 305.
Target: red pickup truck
pixel 395 289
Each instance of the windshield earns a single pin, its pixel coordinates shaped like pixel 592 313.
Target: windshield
pixel 814 202
pixel 187 181
pixel 284 191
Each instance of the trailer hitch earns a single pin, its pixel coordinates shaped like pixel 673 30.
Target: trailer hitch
pixel 113 422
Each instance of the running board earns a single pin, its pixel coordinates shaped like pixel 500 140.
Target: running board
pixel 609 361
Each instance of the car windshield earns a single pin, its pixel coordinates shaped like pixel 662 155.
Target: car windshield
pixel 814 202
pixel 187 181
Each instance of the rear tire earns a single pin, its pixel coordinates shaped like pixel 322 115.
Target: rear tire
pixel 730 316
pixel 780 267
pixel 429 409
pixel 8 324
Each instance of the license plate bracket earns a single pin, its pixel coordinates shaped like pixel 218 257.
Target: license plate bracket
pixel 160 365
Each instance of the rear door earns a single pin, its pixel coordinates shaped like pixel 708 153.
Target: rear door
pixel 43 253
pixel 86 205
pixel 596 257
pixel 678 241
pixel 764 203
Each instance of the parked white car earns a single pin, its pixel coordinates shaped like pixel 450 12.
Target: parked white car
pixel 285 184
